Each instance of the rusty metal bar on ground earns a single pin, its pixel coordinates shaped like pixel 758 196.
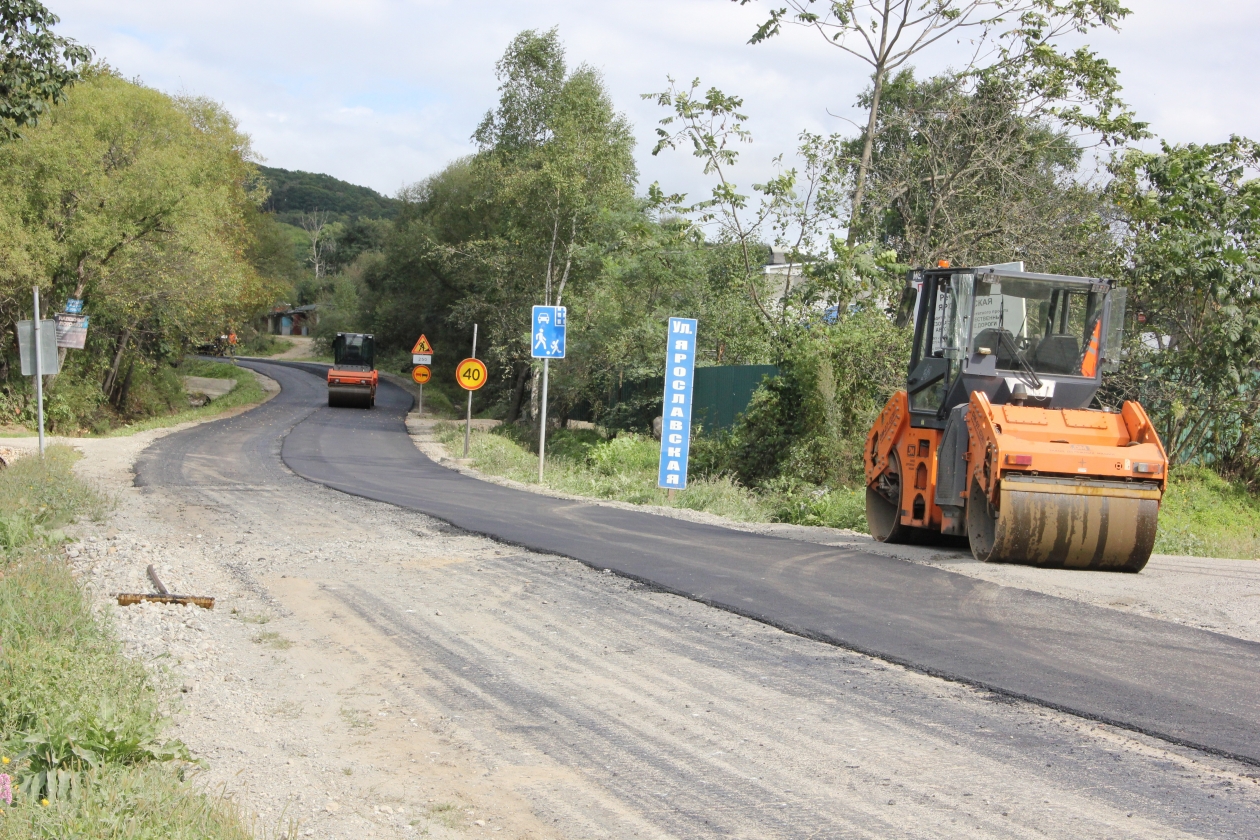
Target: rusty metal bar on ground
pixel 126 599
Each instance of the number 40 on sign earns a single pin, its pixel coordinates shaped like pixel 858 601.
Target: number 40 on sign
pixel 471 374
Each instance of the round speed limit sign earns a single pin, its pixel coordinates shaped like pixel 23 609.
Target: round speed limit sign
pixel 471 374
pixel 421 374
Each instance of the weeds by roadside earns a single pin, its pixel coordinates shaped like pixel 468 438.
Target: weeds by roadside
pixel 273 640
pixel 585 463
pixel 137 803
pixel 38 496
pixel 80 729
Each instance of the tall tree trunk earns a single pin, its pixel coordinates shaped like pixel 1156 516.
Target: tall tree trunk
pixel 568 261
pixel 108 387
pixel 518 395
pixel 534 392
pixel 868 147
pixel 126 386
pixel 551 255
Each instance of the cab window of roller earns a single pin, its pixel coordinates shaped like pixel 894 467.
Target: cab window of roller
pixel 931 372
pixel 1041 325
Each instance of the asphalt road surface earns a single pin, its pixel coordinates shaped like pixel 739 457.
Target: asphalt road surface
pixel 1187 686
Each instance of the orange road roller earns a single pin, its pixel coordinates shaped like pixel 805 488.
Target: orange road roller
pixel 998 436
pixel 352 378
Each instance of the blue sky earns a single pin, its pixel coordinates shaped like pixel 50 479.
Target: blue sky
pixel 385 92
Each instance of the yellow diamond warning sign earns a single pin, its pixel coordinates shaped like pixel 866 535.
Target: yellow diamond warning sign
pixel 422 346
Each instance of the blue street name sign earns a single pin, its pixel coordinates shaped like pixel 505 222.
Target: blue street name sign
pixel 547 334
pixel 74 306
pixel 680 368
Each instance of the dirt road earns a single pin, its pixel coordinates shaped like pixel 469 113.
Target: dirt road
pixel 369 672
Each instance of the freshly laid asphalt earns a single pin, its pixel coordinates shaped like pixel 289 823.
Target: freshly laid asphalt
pixel 1188 686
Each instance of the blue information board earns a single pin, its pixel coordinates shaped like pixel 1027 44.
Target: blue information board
pixel 547 332
pixel 680 368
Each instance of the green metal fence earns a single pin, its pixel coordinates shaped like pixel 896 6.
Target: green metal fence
pixel 721 395
pixel 723 392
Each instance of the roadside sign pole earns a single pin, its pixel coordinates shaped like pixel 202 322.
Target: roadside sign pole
pixel 542 426
pixel 39 377
pixel 548 327
pixel 421 358
pixel 468 419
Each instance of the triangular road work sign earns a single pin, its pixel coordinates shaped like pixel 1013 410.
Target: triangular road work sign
pixel 422 346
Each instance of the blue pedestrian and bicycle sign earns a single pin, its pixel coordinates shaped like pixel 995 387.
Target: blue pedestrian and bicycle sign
pixel 680 368
pixel 547 334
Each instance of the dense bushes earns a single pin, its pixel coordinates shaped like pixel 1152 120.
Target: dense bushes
pixel 808 425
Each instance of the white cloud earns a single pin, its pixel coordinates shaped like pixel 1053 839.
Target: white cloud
pixel 385 92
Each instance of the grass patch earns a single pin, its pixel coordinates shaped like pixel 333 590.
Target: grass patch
pixel 79 722
pixel 586 464
pixel 356 719
pixel 1206 516
pixel 144 803
pixel 39 496
pixel 246 392
pixel 273 640
pixel 448 814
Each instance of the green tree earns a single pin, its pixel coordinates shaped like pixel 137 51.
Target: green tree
pixel 1189 255
pixel 1018 40
pixel 797 208
pixel 36 65
pixel 555 155
pixel 958 173
pixel 139 204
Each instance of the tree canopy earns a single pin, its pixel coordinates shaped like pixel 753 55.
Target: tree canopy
pixel 144 206
pixel 36 65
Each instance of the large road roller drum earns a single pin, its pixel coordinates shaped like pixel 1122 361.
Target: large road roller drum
pixel 1065 522
pixel 359 394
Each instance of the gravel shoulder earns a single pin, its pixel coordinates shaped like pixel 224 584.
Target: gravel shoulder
pixel 1217 594
pixel 371 672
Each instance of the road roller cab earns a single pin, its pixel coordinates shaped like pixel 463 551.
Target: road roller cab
pixel 994 439
pixel 352 379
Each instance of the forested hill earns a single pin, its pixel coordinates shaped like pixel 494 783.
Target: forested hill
pixel 294 192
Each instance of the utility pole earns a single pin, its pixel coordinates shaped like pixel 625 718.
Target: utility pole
pixel 468 418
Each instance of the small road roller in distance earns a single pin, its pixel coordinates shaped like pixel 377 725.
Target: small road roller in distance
pixel 998 437
pixel 352 378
